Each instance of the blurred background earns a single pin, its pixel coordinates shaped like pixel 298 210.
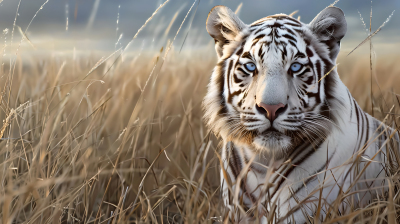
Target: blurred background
pixel 106 25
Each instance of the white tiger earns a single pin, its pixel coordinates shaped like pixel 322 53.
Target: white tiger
pixel 289 125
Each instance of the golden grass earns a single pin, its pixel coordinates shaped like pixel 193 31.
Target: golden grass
pixel 72 145
pixel 87 142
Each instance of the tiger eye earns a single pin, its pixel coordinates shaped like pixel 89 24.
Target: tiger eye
pixel 250 66
pixel 295 67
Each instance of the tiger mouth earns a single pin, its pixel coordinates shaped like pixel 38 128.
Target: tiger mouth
pixel 271 131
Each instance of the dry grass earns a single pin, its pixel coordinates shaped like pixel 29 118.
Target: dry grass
pixel 91 139
pixel 73 145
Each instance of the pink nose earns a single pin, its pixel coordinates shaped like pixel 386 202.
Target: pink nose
pixel 271 111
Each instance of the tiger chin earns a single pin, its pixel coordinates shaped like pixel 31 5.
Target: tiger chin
pixel 273 144
pixel 286 120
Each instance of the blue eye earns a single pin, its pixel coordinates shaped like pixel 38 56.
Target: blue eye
pixel 295 67
pixel 250 66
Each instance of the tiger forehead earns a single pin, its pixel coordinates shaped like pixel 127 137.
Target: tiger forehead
pixel 281 33
pixel 277 17
pixel 280 22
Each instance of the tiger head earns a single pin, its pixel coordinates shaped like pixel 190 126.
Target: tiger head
pixel 275 83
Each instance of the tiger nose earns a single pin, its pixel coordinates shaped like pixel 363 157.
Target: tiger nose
pixel 271 111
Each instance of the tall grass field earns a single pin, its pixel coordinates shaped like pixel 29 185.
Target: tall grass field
pixel 118 137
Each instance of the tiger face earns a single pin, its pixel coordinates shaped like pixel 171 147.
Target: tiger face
pixel 274 84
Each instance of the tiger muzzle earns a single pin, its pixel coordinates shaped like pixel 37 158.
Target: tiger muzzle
pixel 271 112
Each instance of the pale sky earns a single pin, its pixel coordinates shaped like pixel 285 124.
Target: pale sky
pixel 91 29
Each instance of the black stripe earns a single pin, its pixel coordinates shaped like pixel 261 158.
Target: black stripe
pixel 258 38
pixel 284 51
pixel 320 75
pixel 292 156
pixel 289 37
pixel 300 55
pixel 313 178
pixel 243 185
pixel 275 33
pixel 289 31
pixel 240 102
pixel 251 120
pixel 293 20
pixel 231 95
pixel 283 56
pixel 362 129
pixel 367 131
pixel 317 95
pixel 220 82
pixel 260 51
pixel 330 85
pixel 275 25
pixel 243 71
pixel 298 30
pixel 249 113
pixel 253 167
pixel 303 73
pixel 309 52
pixel 234 161
pixel 292 24
pixel 247 55
pixel 310 80
pixel 305 157
pixel 291 120
pixel 351 103
pixel 262 55
pixel 358 123
pixel 319 69
pixel 292 43
pixel 236 79
pixel 258 31
pixel 293 166
pixel 240 51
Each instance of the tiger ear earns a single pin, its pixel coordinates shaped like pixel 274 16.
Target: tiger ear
pixel 223 25
pixel 330 26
